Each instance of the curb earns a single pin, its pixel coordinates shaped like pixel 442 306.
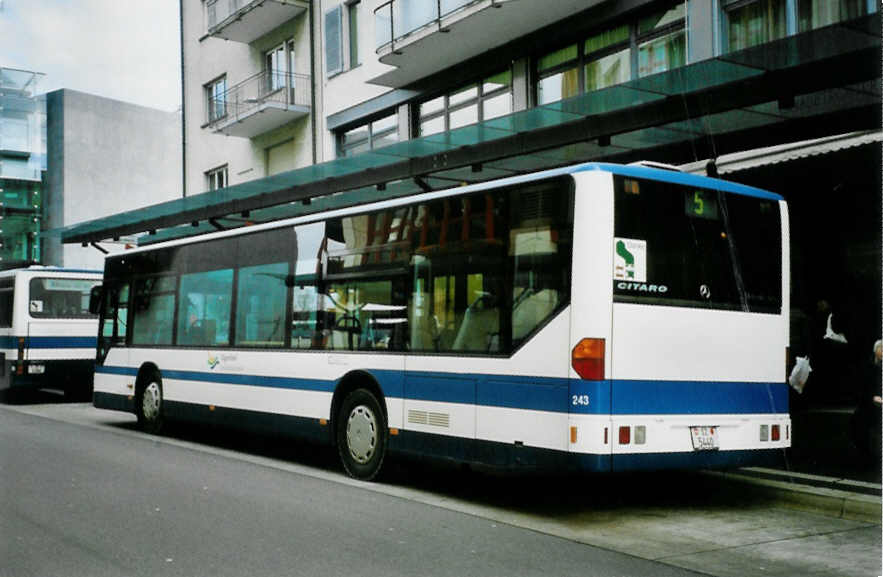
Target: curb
pixel 834 502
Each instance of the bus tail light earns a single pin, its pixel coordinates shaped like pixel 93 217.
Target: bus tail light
pixel 774 433
pixel 625 434
pixel 587 359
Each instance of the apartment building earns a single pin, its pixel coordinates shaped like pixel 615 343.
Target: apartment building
pixel 783 94
pixel 273 85
pixel 248 90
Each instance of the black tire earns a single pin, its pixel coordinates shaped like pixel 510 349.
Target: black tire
pixel 149 404
pixel 361 434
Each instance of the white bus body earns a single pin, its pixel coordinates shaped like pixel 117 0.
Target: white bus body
pixel 625 361
pixel 47 335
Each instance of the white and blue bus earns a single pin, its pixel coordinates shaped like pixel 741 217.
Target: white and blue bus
pixel 600 316
pixel 47 334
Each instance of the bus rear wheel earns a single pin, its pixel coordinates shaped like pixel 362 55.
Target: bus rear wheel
pixel 361 434
pixel 148 405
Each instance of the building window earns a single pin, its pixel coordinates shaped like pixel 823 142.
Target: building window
pixel 662 41
pixel 216 103
pixel 654 43
pixel 352 10
pixel 748 24
pixel 279 67
pixel 216 178
pixel 333 42
pixel 376 134
pixel 490 98
pixel 813 14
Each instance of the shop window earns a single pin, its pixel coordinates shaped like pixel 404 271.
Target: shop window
pixel 748 24
pixel 489 98
pixel 656 42
pixel 371 135
pixel 813 14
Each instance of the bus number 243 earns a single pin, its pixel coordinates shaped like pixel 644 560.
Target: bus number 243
pixel 580 400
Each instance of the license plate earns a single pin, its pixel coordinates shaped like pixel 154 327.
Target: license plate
pixel 704 438
pixel 36 369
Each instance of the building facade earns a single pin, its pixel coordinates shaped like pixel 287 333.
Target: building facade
pixel 104 156
pixel 276 85
pixel 248 90
pixel 22 167
pixel 496 87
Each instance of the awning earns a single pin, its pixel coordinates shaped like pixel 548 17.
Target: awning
pixel 805 83
pixel 785 152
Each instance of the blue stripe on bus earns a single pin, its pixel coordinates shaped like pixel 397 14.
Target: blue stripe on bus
pixel 682 178
pixel 558 395
pixel 50 342
pixel 697 397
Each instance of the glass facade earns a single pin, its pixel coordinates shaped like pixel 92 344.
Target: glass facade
pixel 368 136
pixel 22 167
pixel 489 98
pixel 651 44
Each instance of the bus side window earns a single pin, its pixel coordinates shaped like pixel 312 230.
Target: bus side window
pixel 204 308
pixel 7 295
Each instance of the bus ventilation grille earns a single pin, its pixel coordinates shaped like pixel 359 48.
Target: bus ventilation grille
pixel 429 418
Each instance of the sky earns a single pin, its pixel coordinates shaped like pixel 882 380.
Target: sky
pixel 127 50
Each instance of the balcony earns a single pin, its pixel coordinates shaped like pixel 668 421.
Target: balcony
pixel 421 37
pixel 259 104
pixel 247 20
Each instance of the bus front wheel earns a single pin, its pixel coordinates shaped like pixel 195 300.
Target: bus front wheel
pixel 361 434
pixel 148 405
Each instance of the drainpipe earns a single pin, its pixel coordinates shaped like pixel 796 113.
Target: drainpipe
pixel 183 104
pixel 313 80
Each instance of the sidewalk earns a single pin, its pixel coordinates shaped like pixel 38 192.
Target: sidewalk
pixel 820 445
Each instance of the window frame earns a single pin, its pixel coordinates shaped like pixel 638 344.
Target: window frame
pixel 333 14
pixel 214 175
pixel 213 98
pixel 478 100
pixel 373 135
pixel 635 39
pixel 728 6
pixel 353 9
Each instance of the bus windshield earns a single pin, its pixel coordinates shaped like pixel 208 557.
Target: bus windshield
pixel 677 245
pixel 60 298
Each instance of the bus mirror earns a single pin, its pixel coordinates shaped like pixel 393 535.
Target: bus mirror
pixel 289 281
pixel 95 300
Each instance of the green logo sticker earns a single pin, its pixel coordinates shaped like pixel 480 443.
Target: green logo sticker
pixel 630 259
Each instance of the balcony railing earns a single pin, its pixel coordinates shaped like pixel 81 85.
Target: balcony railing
pixel 247 20
pixel 397 19
pixel 270 89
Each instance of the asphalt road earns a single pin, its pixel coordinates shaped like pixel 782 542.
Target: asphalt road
pixel 85 493
pixel 94 502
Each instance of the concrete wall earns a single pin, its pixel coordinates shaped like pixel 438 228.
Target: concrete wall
pixel 105 157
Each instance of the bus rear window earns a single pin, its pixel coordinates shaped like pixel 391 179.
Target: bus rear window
pixel 60 298
pixel 676 245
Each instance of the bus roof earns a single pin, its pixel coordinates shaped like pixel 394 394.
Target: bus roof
pixel 633 171
pixel 677 177
pixel 40 269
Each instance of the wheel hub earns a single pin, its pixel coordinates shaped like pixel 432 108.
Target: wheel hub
pixel 151 401
pixel 361 434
